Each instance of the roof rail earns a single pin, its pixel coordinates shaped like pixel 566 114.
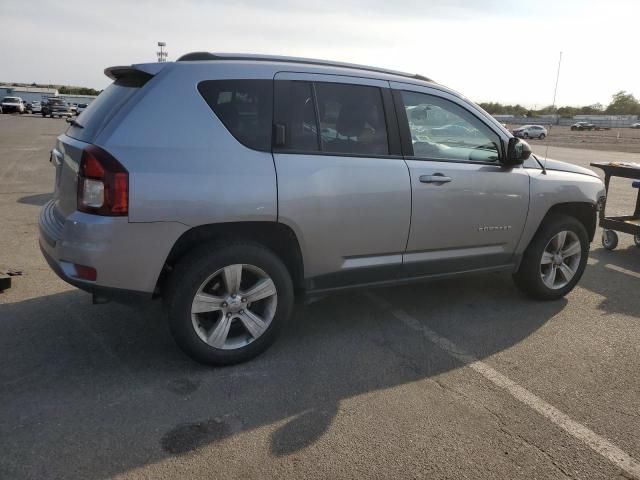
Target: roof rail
pixel 203 56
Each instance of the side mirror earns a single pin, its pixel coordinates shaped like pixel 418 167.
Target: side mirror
pixel 517 152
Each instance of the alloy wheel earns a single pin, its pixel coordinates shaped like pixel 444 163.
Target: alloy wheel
pixel 560 259
pixel 234 307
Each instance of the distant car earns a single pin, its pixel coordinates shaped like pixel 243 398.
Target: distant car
pixel 36 107
pixel 635 125
pixel 81 108
pixel 583 126
pixel 55 107
pixel 12 104
pixel 530 131
pixel 73 107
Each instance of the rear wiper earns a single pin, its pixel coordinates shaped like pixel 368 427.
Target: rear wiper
pixel 74 123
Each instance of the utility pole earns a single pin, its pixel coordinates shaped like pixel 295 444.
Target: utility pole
pixel 162 54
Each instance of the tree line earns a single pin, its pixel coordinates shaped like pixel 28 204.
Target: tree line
pixel 622 103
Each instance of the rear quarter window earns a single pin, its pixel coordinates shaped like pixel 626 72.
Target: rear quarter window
pixel 245 107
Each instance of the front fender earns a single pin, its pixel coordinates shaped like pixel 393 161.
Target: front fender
pixel 555 188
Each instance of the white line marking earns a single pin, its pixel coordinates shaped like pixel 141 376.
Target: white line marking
pixel 622 270
pixel 597 443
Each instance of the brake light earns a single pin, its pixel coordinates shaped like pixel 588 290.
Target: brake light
pixel 103 184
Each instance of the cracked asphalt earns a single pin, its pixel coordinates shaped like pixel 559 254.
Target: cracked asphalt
pixel 348 391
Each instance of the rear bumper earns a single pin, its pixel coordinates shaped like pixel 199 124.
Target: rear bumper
pixel 127 256
pixel 118 294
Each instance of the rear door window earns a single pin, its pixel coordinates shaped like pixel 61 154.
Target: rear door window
pixel 332 118
pixel 351 119
pixel 296 113
pixel 245 107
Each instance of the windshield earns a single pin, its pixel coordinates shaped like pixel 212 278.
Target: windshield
pixel 11 100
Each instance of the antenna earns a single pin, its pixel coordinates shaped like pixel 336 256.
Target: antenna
pixel 553 109
pixel 162 54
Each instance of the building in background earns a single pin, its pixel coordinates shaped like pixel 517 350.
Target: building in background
pixel 28 94
pixel 40 94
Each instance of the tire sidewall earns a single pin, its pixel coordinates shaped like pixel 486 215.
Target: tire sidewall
pixel 194 270
pixel 528 276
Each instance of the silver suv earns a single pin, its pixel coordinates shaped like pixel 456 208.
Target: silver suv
pixel 230 184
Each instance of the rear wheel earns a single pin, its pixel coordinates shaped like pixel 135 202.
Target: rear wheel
pixel 555 259
pixel 541 137
pixel 609 239
pixel 636 240
pixel 227 303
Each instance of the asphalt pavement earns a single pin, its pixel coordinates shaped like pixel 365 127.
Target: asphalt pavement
pixel 456 379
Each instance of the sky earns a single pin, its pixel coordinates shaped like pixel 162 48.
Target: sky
pixel 489 50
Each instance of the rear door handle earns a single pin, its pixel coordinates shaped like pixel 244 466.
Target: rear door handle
pixel 435 178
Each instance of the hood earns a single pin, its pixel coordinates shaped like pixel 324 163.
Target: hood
pixel 557 165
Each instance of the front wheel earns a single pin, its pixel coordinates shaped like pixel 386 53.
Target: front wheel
pixel 541 137
pixel 636 240
pixel 555 260
pixel 227 303
pixel 525 135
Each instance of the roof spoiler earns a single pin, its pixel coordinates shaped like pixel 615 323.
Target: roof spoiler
pixel 142 71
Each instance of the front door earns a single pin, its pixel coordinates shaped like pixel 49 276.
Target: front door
pixel 468 212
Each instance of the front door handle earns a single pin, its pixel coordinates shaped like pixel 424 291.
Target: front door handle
pixel 435 178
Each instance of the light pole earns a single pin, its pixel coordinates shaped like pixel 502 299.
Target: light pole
pixel 162 54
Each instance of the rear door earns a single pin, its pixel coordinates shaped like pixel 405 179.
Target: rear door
pixel 343 186
pixel 468 211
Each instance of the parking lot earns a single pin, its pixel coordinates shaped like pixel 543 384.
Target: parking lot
pixel 616 139
pixel 462 378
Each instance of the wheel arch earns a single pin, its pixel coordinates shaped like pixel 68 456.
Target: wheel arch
pixel 584 212
pixel 275 236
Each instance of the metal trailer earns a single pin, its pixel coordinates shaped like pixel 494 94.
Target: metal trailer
pixel 627 223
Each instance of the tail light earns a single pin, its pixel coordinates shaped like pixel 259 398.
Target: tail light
pixel 103 184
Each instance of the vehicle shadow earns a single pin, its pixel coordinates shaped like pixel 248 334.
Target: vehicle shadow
pixel 613 275
pixel 92 391
pixel 38 199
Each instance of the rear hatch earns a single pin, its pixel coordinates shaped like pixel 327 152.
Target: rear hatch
pixel 67 154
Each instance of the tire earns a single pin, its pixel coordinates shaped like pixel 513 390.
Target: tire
pixel 573 129
pixel 533 274
pixel 541 137
pixel 609 239
pixel 636 240
pixel 204 269
pixel 525 135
